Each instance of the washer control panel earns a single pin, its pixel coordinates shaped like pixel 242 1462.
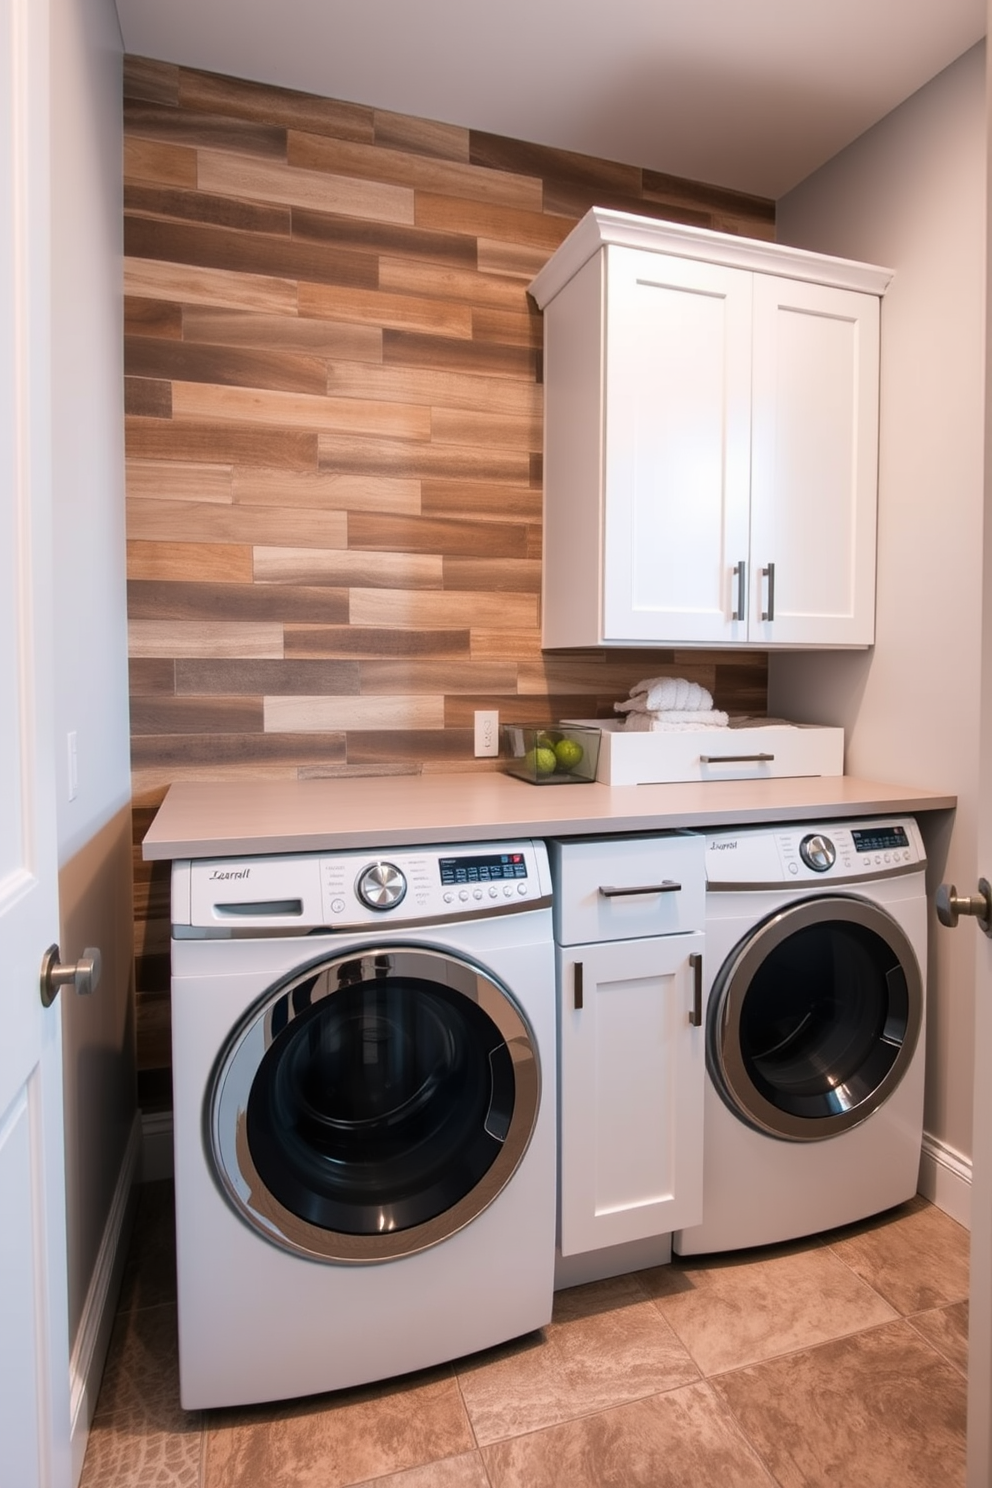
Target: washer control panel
pixel 768 857
pixel 361 887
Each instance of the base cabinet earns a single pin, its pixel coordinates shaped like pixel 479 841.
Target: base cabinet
pixel 631 1090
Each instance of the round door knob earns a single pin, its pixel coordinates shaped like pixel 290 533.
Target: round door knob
pixel 951 905
pixel 381 886
pixel 817 852
pixel 83 974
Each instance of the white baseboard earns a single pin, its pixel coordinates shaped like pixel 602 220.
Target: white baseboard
pixel 89 1351
pixel 945 1179
pixel 156 1146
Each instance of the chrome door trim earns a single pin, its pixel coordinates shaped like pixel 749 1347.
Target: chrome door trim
pixel 723 1054
pixel 226 1102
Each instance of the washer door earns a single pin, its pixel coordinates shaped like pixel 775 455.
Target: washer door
pixel 373 1104
pixel 814 1018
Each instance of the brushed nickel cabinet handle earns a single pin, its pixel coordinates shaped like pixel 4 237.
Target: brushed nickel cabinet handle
pixel 618 891
pixel 696 1016
pixel 769 574
pixel 735 759
pixel 740 574
pixel 577 986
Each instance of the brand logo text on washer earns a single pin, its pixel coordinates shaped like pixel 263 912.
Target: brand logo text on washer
pixel 230 873
pixel 723 846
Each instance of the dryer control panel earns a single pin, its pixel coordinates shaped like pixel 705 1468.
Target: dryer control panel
pixel 809 852
pixel 417 885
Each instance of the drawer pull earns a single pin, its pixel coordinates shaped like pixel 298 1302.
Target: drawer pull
pixel 616 891
pixel 696 1016
pixel 577 985
pixel 735 759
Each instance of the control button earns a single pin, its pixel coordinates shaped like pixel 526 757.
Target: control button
pixel 494 892
pixel 817 852
pixel 866 861
pixel 521 888
pixel 508 890
pixel 793 867
pixel 337 906
pixel 878 860
pixel 476 893
pixel 463 895
pixel 381 886
pixel 448 898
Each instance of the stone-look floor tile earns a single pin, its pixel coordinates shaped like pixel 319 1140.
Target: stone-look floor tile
pixel 666 1441
pixel 946 1328
pixel 328 1441
pixel 465 1471
pixel 123 1452
pixel 916 1256
pixel 150 1273
pixel 606 1344
pixel 141 1378
pixel 876 1409
pixel 735 1310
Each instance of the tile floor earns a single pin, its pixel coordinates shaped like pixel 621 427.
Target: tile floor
pixel 836 1361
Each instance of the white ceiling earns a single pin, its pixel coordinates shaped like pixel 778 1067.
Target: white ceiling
pixel 750 94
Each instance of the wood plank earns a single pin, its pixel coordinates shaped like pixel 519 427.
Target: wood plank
pixel 442 746
pixel 152 318
pixel 479 220
pixel 521 260
pixel 412 349
pixel 234 603
pixel 331 493
pixel 249 678
pixel 208 442
pixel 198 206
pixel 490 643
pixel 572 200
pixel 243 175
pixel 220 288
pixel 285 565
pixel 425 173
pixel 147 397
pixel 430 385
pixel 267 255
pixel 249 328
pixel 546 162
pixel 284 371
pixel 526 329
pixel 395 239
pixel 197 562
pixel 171 638
pixel 222 756
pixel 406 676
pixel 420 136
pixel 151 675
pixel 181 715
pixel 711 198
pixel 173 521
pixel 323 714
pixel 444 282
pixel 341 453
pixel 408 608
pixel 169 125
pixel 373 642
pixel 435 535
pixel 401 312
pixel 494 575
pixel 166 480
pixel 480 501
pixel 193 400
pixel 156 82
pixel 239 99
pixel 560 674
pixel 165 165
pixel 492 430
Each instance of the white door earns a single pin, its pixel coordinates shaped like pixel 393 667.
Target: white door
pixel 678 429
pixel 34 1365
pixel 631 1089
pixel 814 464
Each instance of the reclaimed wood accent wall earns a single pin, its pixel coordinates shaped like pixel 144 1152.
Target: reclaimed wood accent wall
pixel 333 433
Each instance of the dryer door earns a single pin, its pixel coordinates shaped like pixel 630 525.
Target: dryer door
pixel 814 1018
pixel 374 1104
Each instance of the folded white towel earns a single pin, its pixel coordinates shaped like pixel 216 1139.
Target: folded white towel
pixel 676 719
pixel 657 694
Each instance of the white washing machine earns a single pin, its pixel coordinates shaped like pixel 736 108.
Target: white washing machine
pixel 365 1102
pixel 814 1011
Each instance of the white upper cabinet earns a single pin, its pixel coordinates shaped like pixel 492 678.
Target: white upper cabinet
pixel 711 430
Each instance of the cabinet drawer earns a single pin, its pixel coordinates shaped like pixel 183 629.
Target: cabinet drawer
pixel 625 888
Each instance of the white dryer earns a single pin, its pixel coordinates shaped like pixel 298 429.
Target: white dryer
pixel 814 1011
pixel 365 1104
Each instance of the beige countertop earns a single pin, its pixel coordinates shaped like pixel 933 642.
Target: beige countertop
pixel 229 818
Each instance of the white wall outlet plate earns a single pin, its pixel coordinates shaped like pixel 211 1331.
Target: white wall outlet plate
pixel 486 732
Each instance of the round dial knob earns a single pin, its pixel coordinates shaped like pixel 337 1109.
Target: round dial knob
pixel 817 852
pixel 381 886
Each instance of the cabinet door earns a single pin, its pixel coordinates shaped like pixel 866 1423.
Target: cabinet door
pixel 632 1072
pixel 814 452
pixel 677 436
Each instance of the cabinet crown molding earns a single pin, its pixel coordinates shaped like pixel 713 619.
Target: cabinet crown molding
pixel 602 226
